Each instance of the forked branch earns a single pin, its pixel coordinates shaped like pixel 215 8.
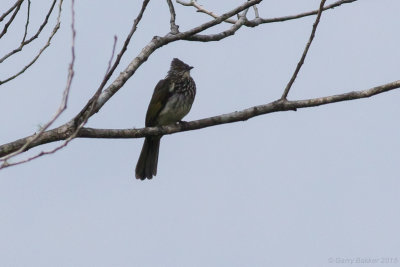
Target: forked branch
pixel 75 127
pixel 303 56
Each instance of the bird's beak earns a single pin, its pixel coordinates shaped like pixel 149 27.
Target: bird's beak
pixel 191 67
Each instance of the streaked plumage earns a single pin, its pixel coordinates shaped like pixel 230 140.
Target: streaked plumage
pixel 171 101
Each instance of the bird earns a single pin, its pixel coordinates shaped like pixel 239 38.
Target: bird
pixel 172 100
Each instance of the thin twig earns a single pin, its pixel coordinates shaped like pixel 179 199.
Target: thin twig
pixel 11 20
pixel 244 13
pixel 218 36
pixel 303 56
pixel 5 14
pixel 66 92
pixel 64 101
pixel 44 23
pixel 190 3
pixel 97 94
pixel 112 55
pixel 125 46
pixel 82 120
pixel 27 22
pixel 256 14
pixel 201 9
pixel 36 35
pixel 174 27
pixel 158 42
pixel 257 21
pixel 89 108
pixel 85 117
pixel 55 29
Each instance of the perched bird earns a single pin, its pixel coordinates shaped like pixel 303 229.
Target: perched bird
pixel 171 101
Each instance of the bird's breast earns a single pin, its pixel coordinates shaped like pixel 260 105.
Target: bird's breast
pixel 177 106
pixel 179 102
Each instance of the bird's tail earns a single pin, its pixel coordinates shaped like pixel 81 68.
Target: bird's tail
pixel 146 166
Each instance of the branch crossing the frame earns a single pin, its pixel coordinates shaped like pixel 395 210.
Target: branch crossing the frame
pixel 75 127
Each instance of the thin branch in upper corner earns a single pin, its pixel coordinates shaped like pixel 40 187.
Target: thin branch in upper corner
pixel 64 100
pixel 242 19
pixel 55 29
pixel 258 21
pixel 174 27
pixel 45 21
pixel 33 37
pixel 5 14
pixel 11 19
pixel 303 56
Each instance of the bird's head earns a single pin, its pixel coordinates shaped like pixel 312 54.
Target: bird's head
pixel 179 68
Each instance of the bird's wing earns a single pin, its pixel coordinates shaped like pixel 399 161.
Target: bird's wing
pixel 160 96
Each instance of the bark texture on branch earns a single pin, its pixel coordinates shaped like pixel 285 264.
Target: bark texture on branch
pixel 61 133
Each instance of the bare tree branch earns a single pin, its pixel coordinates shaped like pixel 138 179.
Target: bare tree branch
pixel 68 136
pixel 174 27
pixel 62 106
pixel 36 35
pixel 5 14
pixel 74 128
pixel 257 21
pixel 84 117
pixel 27 22
pixel 11 19
pixel 190 3
pixel 61 132
pixel 158 42
pixel 218 36
pixel 303 56
pixel 44 23
pixel 55 29
pixel 213 22
pixel 256 14
pixel 91 107
pixel 243 115
pixel 201 9
pixel 249 23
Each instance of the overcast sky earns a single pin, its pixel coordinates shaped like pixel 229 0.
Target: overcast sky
pixel 315 187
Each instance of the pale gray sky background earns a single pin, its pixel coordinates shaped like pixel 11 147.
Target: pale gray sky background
pixel 286 189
